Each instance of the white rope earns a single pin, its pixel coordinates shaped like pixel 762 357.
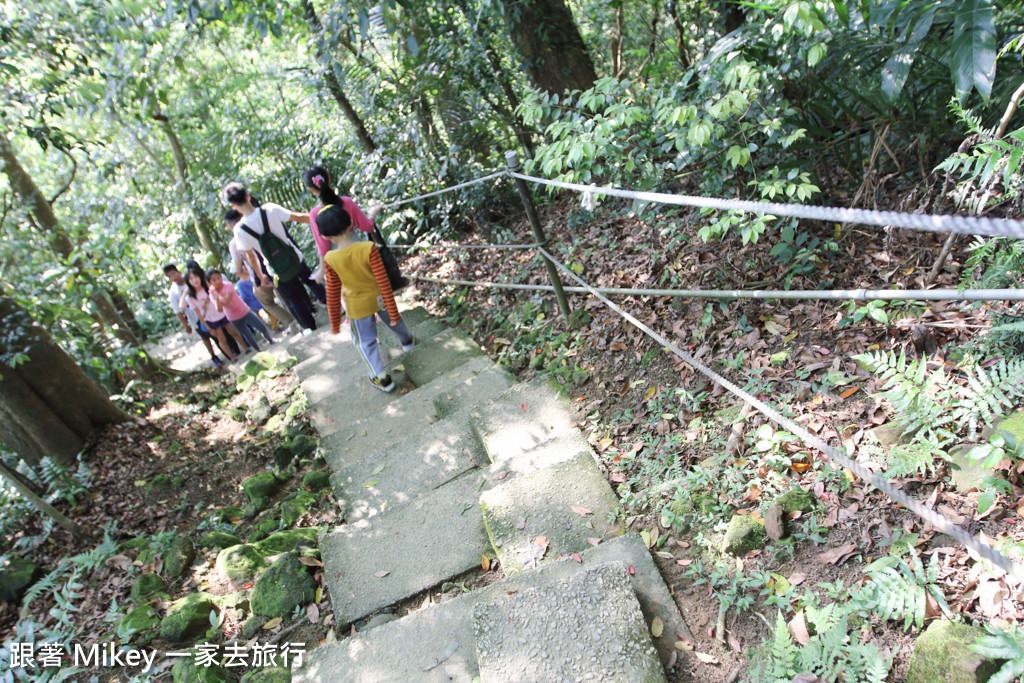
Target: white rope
pixel 496 174
pixel 935 519
pixel 965 225
pixel 456 247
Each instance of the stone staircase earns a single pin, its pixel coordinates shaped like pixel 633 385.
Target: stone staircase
pixel 469 463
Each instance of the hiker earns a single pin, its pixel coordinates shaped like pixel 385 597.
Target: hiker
pixel 197 295
pixel 227 301
pixel 262 229
pixel 318 182
pixel 356 269
pixel 186 316
pixel 265 295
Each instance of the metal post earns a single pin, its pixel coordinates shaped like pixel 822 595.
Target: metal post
pixel 512 159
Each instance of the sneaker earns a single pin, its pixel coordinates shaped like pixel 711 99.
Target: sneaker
pixel 385 383
pixel 410 346
pixel 306 332
pixel 217 362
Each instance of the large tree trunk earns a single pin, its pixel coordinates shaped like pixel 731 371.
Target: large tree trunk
pixel 48 405
pixel 550 45
pixel 42 212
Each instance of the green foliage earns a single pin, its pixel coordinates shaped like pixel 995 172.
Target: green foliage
pixel 1006 644
pixel 832 652
pixel 918 458
pixel 899 589
pixel 933 404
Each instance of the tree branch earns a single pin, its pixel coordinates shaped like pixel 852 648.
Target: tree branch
pixel 71 179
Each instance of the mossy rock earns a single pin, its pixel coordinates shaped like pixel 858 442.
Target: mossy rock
pixel 283 455
pixel 259 488
pixel 134 543
pixel 261 411
pixel 317 480
pixel 295 507
pixel 145 585
pixel 943 654
pixel 226 514
pixel 271 674
pixel 240 563
pixel 303 445
pixel 284 586
pixel 238 599
pixel 187 618
pixel 252 626
pixel 743 535
pixel 178 482
pixel 160 481
pixel 267 526
pixel 16 575
pixel 136 624
pixel 236 414
pixel 796 499
pixel 285 541
pixel 185 670
pixel 257 535
pixel 179 556
pixel 275 424
pixel 218 539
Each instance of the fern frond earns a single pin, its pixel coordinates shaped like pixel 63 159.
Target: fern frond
pixel 1005 645
pixel 44 585
pixel 913 459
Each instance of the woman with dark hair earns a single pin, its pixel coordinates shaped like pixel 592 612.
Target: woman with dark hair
pixel 197 296
pixel 318 181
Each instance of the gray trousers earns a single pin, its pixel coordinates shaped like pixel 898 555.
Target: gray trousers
pixel 265 295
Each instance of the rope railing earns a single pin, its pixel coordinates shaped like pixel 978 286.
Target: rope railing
pixel 973 225
pixel 964 225
pixel 768 294
pixel 932 517
pixel 496 174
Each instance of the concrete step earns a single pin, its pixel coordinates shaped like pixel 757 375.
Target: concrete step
pixel 427 458
pixel 566 503
pixel 439 355
pixel 419 545
pixel 589 626
pixel 436 644
pixel 466 386
pixel 522 418
pixel 558 449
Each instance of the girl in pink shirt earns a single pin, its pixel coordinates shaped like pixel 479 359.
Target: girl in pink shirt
pixel 197 296
pixel 318 181
pixel 227 301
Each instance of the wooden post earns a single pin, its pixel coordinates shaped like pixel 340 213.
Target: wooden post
pixel 512 159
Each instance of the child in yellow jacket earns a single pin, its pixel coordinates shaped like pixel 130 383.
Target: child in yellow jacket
pixel 357 270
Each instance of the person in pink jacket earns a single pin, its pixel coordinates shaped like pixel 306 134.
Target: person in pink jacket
pixel 318 181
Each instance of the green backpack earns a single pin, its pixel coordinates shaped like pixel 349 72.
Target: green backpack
pixel 278 253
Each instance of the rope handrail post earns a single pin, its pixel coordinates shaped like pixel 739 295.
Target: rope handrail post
pixel 512 159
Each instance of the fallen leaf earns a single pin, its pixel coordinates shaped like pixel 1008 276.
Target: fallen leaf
pixel 631 570
pixel 849 392
pixel 276 621
pixel 381 574
pixel 798 627
pixel 797 579
pixel 372 482
pixel 313 612
pixel 617 346
pixel 485 563
pixel 684 563
pixel 542 541
pixel 734 643
pixel 706 658
pixel 311 562
pixel 582 512
pixel 523 406
pixel 593 541
pixel 684 645
pixel 378 469
pixel 838 555
pixel 646 536
pixel 657 627
pixel 576 556
pixel 618 477
pixel 122 562
pixel 650 393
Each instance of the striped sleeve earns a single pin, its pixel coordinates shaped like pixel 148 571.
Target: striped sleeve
pixel 333 283
pixel 379 272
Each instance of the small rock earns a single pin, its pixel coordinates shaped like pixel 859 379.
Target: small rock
pixel 743 535
pixel 261 411
pixel 137 622
pixel 967 474
pixel 378 620
pixel 259 487
pixel 288 540
pixel 943 654
pixel 16 575
pixel 179 556
pixel 775 523
pixel 218 539
pixel 252 626
pixel 282 587
pixel 317 480
pixel 240 563
pixel 146 584
pixel 796 499
pixel 187 617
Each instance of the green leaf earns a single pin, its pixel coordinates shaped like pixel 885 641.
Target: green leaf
pixel 414 46
pixel 897 67
pixel 985 501
pixel 842 12
pixel 973 62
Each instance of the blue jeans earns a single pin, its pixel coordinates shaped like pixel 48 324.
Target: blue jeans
pixel 253 321
pixel 364 336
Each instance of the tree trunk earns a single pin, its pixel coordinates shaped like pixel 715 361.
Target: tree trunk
pixel 615 43
pixel 127 315
pixel 333 86
pixel 48 405
pixel 201 222
pixel 682 47
pixel 42 212
pixel 550 45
